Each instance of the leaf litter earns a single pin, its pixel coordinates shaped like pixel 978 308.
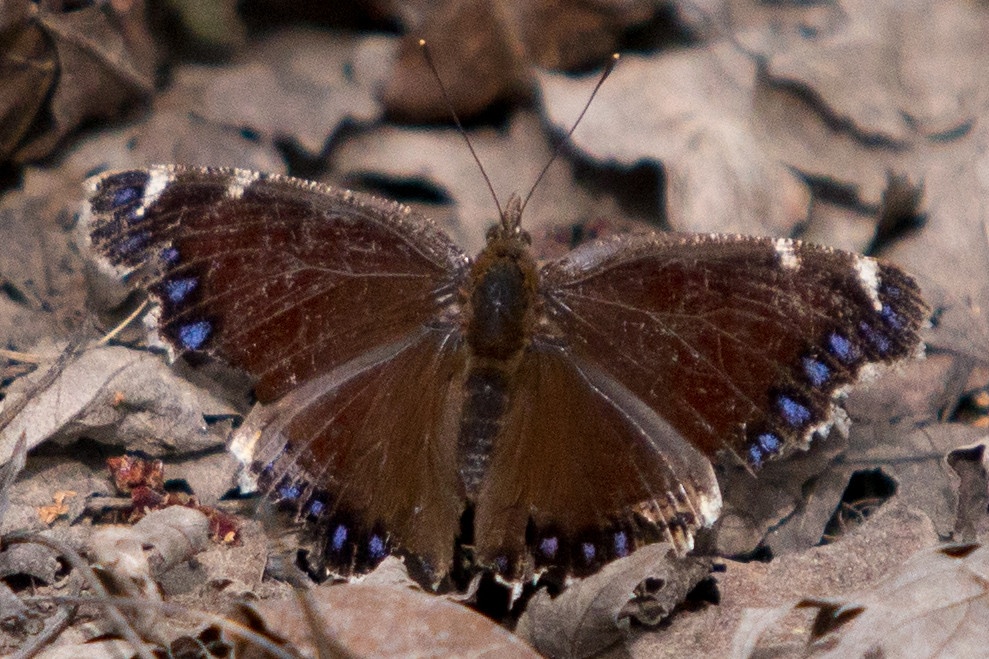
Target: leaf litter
pixel 773 120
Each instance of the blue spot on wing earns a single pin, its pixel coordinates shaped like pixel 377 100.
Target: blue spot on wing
pixel 194 335
pixel 339 538
pixel 178 289
pixel 764 445
pixel 816 371
pixel 124 196
pixel 170 255
pixel 756 455
pixel 316 507
pixel 878 340
pixel 131 244
pixel 289 492
pixel 892 318
pixel 794 413
pixel 376 547
pixel 549 546
pixel 769 442
pixel 589 552
pixel 842 348
pixel 621 544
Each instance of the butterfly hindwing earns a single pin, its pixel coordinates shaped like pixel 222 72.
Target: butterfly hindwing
pixel 368 455
pixel 583 473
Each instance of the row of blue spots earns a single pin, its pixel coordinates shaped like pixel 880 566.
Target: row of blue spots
pixel 193 335
pixel 377 547
pixel 549 546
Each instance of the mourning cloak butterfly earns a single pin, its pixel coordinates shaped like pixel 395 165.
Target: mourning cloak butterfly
pixel 414 400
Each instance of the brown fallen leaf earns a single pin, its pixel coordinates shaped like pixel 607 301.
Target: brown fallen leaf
pixel 132 558
pixel 484 50
pixel 365 620
pixel 935 605
pixel 720 175
pixel 593 614
pixel 82 64
pixel 971 463
pixel 131 471
pixel 164 412
pixel 144 480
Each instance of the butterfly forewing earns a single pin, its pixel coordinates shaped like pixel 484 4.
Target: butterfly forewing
pixel 739 343
pixel 281 277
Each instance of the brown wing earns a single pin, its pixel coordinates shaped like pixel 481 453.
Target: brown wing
pixel 281 277
pixel 369 449
pixel 583 472
pixel 738 343
pixel 335 302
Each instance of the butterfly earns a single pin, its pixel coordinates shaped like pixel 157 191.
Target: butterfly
pixel 413 400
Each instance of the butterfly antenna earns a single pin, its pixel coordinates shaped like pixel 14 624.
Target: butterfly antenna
pixel 456 119
pixel 608 68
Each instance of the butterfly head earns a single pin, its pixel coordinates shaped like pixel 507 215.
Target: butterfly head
pixel 510 227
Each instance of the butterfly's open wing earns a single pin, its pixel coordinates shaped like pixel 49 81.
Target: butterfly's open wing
pixel 369 448
pixel 766 332
pixel 334 302
pixel 583 472
pixel 283 278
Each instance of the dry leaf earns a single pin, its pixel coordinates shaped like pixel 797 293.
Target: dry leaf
pixel 691 112
pixel 386 621
pixel 592 614
pixel 164 412
pixel 484 50
pixel 936 605
pixel 92 63
pixel 299 85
